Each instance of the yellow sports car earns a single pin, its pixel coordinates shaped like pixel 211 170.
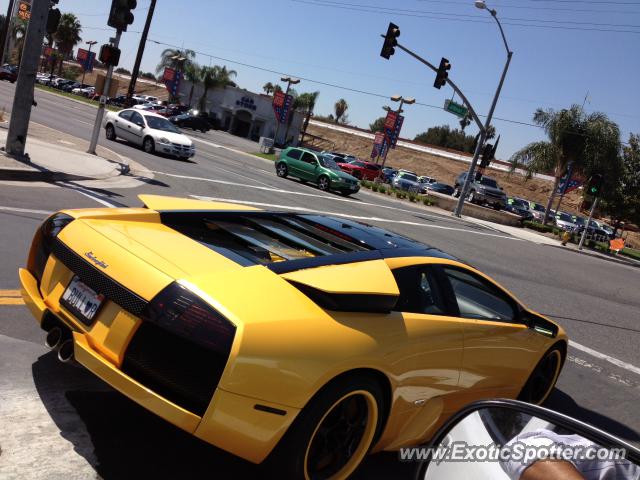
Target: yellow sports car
pixel 299 340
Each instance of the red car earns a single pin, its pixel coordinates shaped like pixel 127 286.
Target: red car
pixel 361 169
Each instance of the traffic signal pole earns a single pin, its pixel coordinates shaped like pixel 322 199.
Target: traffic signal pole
pixel 103 101
pixel 143 42
pixel 23 98
pixel 586 227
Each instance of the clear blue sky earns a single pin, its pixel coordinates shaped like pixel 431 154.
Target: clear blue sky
pixel 338 42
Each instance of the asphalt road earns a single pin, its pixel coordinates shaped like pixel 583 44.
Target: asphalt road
pixel 596 301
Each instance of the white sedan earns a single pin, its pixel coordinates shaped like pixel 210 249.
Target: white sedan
pixel 151 131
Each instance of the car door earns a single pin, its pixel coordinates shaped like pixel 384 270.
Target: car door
pixel 122 124
pixel 309 167
pixel 136 128
pixel 294 162
pixel 434 337
pixel 499 350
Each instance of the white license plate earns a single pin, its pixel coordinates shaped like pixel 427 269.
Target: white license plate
pixel 82 301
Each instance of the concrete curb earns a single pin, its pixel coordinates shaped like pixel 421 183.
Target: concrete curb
pixel 589 253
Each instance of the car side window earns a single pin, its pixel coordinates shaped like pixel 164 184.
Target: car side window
pixel 420 291
pixel 479 299
pixel 125 114
pixel 309 158
pixel 295 154
pixel 137 118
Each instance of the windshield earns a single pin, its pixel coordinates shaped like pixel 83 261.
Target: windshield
pixel 520 203
pixel 409 177
pixel 580 220
pixel 489 182
pixel 357 163
pixel 565 217
pixel 538 208
pixel 163 124
pixel 329 163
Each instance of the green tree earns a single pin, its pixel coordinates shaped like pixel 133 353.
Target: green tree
pixel 443 136
pixel 17 33
pixel 214 77
pixel 377 125
pixel 340 108
pixel 67 35
pixel 304 103
pixel 193 73
pixel 621 199
pixel 268 88
pixel 175 58
pixel 148 76
pixel 122 70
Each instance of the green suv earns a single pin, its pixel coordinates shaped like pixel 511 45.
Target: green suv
pixel 317 168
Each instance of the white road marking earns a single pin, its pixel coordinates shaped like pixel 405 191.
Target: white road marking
pixel 305 194
pixel 89 193
pixel 25 210
pixel 605 357
pixel 354 217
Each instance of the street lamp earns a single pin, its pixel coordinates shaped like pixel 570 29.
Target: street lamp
pixel 91 43
pixel 482 5
pixel 290 81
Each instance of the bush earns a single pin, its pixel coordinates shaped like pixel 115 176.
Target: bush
pixel 374 187
pixel 412 196
pixel 390 191
pixel 540 227
pixel 382 189
pixel 427 201
pixel 71 72
pixel 366 183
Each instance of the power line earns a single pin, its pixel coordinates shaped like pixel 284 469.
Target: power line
pixel 319 3
pixel 524 7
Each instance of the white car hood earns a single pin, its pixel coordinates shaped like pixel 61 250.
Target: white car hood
pixel 172 137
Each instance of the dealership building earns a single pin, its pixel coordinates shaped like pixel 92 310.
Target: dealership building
pixel 243 113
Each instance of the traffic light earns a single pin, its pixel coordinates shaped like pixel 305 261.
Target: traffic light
pixel 53 20
pixel 487 155
pixel 390 41
pixel 443 73
pixel 109 55
pixel 595 185
pixel 120 15
pixel 464 122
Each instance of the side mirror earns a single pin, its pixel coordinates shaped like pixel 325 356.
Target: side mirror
pixel 513 440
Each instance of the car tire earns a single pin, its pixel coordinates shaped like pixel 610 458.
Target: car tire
pixel 324 183
pixel 471 197
pixel 351 409
pixel 281 170
pixel 149 145
pixel 345 193
pixel 110 132
pixel 497 207
pixel 544 376
pixel 456 192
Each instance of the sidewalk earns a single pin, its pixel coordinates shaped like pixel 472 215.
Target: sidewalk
pixel 56 156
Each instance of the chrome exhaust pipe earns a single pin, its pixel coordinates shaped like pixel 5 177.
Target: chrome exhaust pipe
pixel 53 338
pixel 65 352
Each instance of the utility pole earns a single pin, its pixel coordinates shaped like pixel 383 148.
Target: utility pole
pixel 143 42
pixel 290 81
pixel 5 30
pixel 586 227
pixel 103 100
pixel 91 43
pixel 23 98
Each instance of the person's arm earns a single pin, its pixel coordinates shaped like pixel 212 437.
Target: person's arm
pixel 551 470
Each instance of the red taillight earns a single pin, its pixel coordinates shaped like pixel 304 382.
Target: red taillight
pixel 180 311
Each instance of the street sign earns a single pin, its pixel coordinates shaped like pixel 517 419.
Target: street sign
pixel 86 58
pixel 171 78
pixel 282 106
pixel 455 108
pixel 24 10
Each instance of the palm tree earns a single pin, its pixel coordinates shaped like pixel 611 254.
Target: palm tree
pixel 268 88
pixel 17 32
pixel 566 132
pixel 175 58
pixel 67 35
pixel 306 102
pixel 214 77
pixel 193 73
pixel 340 108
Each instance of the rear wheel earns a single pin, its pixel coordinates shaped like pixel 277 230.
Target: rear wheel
pixel 282 170
pixel 324 183
pixel 456 192
pixel 333 433
pixel 544 376
pixel 110 132
pixel 471 197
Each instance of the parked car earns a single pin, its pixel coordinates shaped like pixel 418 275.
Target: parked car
pixel 315 167
pixel 439 188
pixel 595 229
pixel 44 78
pixel 60 83
pixel 9 73
pixel 189 121
pixel 84 91
pixel 565 221
pixel 152 132
pixel 150 98
pixel 346 157
pixel 537 210
pixel 425 179
pixel 388 173
pixel 519 207
pixel 118 101
pixel 406 181
pixel 361 169
pixel 483 191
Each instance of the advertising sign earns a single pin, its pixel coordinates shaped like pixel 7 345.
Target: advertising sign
pixel 171 78
pixel 377 144
pixel 392 127
pixel 85 58
pixel 24 10
pixel 282 106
